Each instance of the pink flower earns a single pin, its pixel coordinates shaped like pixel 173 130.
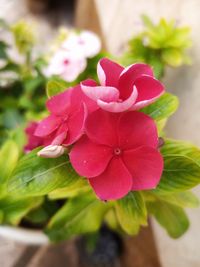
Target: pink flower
pixel 118 153
pixel 66 64
pixel 123 89
pixel 85 42
pixel 71 58
pixel 65 124
pixel 33 141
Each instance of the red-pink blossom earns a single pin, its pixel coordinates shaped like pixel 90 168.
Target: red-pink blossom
pixel 33 141
pixel 68 111
pixel 123 89
pixel 118 153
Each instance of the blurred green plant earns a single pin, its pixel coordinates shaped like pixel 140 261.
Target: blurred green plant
pixel 21 80
pixel 24 36
pixel 160 45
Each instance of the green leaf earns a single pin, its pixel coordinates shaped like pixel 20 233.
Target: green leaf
pixel 9 155
pixel 171 217
pixel 12 118
pixel 82 214
pixel 37 216
pixel 180 174
pixel 55 86
pixel 112 221
pixel 36 176
pixel 182 167
pixel 70 191
pixel 172 57
pixel 14 209
pixel 147 21
pixel 131 212
pixel 3 47
pixel 163 108
pixel 42 214
pixel 24 36
pixel 1 217
pixel 182 199
pixel 176 147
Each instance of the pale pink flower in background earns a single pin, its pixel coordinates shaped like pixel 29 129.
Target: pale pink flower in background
pixel 85 42
pixel 67 64
pixel 70 60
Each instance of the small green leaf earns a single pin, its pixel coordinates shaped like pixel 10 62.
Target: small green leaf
pixel 12 118
pixel 1 217
pixel 147 21
pixel 55 86
pixel 163 108
pixel 180 174
pixel 36 176
pixel 112 221
pixel 171 217
pixel 172 57
pixel 176 147
pixel 82 214
pixel 24 36
pixel 131 212
pixel 9 155
pixel 182 199
pixel 3 47
pixel 182 167
pixel 14 209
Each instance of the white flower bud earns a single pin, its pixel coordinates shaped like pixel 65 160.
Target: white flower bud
pixel 51 151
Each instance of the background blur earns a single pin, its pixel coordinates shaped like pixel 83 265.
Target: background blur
pixel 116 21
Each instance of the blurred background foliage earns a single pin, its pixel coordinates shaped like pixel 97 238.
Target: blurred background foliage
pixel 160 45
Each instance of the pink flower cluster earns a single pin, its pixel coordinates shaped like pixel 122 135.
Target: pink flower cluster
pixel 71 58
pixel 111 144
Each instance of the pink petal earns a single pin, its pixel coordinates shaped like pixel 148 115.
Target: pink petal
pixel 60 135
pixel 33 141
pixel 59 139
pixel 48 125
pixel 78 97
pixel 101 127
pixel 119 106
pixel 146 166
pixel 129 76
pixel 76 123
pixel 149 89
pixel 137 129
pixel 60 103
pixel 105 93
pixel 114 183
pixel 108 72
pixel 88 158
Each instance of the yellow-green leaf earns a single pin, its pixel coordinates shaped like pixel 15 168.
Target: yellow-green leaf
pixel 131 212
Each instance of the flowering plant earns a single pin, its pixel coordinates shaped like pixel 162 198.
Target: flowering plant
pixel 100 155
pixel 24 71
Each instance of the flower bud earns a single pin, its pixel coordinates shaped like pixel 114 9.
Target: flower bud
pixel 51 151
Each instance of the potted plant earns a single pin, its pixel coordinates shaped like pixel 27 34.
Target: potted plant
pixel 100 155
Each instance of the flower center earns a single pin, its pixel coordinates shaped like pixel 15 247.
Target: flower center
pixel 117 151
pixel 66 62
pixel 81 42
